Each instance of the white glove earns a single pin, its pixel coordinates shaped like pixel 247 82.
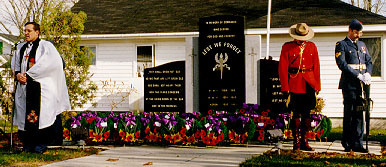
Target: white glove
pixel 361 77
pixel 367 78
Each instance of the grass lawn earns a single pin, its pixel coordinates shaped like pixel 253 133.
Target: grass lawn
pixel 270 158
pixel 303 159
pixel 34 159
pixel 375 135
pixel 20 159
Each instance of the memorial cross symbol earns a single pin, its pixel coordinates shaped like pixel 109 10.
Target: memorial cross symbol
pixel 253 54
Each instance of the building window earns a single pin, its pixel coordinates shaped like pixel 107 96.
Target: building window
pixel 93 55
pixel 374 47
pixel 1 48
pixel 144 59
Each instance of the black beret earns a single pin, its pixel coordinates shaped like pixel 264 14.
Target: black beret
pixel 356 25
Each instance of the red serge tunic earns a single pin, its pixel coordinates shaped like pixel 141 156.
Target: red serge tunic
pixel 309 67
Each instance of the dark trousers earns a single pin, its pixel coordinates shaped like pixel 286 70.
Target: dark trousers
pixel 302 103
pixel 352 121
pixel 38 140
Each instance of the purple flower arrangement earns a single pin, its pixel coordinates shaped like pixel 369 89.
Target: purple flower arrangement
pixel 215 128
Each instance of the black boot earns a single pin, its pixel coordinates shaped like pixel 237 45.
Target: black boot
pixel 296 133
pixel 306 127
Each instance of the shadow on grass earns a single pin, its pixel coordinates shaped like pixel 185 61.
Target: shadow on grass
pixel 375 135
pixel 287 158
pixel 303 159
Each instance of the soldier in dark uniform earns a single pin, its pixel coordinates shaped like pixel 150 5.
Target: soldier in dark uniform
pixel 299 73
pixel 353 59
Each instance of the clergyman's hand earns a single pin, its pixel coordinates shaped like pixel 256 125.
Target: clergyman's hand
pixel 22 78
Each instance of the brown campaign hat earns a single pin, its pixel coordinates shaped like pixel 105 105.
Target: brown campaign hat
pixel 301 31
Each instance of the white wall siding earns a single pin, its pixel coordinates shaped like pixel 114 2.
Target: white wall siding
pixel 116 61
pixel 330 74
pixel 7 48
pixel 167 50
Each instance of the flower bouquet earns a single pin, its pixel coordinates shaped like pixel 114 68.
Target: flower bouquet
pixel 213 130
pixel 129 127
pixel 321 126
pixel 151 133
pixel 192 129
pixel 170 126
pixel 100 126
pixel 241 129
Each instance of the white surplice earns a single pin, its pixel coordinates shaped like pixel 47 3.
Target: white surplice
pixel 48 71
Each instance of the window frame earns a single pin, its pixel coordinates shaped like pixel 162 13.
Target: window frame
pixel 136 57
pixel 382 55
pixel 95 54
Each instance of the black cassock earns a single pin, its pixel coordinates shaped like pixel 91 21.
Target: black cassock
pixel 32 135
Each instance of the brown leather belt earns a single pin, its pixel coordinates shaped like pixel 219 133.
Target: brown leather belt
pixel 294 70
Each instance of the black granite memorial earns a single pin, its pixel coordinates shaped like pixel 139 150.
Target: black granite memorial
pixel 271 96
pixel 165 88
pixel 221 63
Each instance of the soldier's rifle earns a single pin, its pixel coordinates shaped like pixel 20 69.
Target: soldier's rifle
pixel 367 105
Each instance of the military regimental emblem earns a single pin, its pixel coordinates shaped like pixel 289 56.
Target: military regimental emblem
pixel 364 49
pixel 221 60
pixel 32 117
pixel 337 54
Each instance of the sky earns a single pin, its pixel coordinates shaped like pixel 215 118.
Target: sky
pixel 14 29
pixel 382 12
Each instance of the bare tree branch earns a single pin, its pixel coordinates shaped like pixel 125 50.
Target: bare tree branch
pixel 6 28
pixel 378 6
pixel 18 12
pixel 375 6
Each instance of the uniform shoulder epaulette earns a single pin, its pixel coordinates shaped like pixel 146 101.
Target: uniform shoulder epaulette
pixel 340 42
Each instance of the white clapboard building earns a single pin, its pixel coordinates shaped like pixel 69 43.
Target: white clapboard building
pixel 128 36
pixel 6 43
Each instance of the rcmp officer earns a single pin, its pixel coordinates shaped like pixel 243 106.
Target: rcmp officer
pixel 299 73
pixel 353 59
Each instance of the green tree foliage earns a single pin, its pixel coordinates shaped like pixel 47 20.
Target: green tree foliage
pixel 64 28
pixel 59 25
pixel 6 94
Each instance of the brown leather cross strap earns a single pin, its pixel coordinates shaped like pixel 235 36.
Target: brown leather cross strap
pixel 302 46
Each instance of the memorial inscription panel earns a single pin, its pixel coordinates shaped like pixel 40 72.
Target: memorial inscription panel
pixel 165 88
pixel 270 87
pixel 221 63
